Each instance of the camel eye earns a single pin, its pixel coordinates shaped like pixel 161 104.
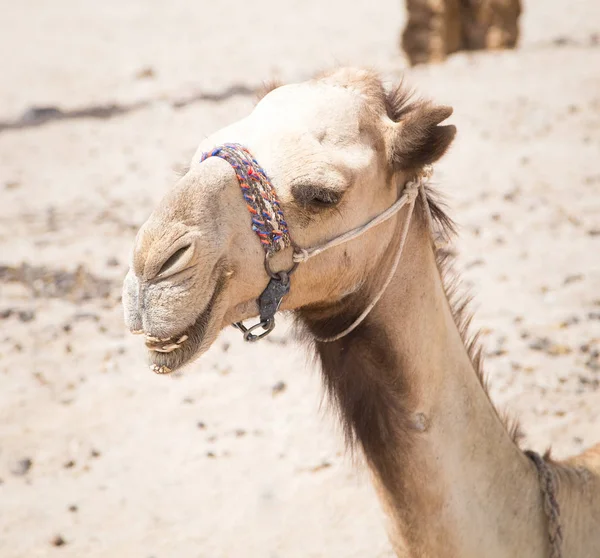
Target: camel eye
pixel 316 196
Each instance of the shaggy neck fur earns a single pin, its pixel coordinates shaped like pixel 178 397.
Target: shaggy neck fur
pixel 454 482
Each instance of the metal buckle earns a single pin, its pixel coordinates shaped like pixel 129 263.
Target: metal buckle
pixel 278 274
pixel 268 305
pixel 267 325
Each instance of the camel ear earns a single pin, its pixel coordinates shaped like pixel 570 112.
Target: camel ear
pixel 418 139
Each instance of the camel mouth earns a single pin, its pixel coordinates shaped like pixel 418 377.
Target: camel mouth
pixel 168 354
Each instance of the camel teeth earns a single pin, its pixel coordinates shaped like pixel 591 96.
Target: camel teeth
pixel 182 339
pixel 153 339
pixel 137 331
pixel 167 349
pixel 159 369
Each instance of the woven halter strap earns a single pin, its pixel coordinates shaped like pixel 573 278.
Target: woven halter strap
pixel 548 489
pixel 269 224
pixel 259 194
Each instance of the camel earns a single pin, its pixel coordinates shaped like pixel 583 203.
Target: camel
pixel 340 164
pixel 435 29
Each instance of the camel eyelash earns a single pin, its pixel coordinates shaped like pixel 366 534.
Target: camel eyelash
pixel 310 195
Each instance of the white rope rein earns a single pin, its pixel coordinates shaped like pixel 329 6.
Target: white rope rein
pixel 409 195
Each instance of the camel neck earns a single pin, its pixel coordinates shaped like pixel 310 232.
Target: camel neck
pixel 449 474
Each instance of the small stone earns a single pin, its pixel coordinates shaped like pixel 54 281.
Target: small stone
pixel 573 278
pixel 26 315
pixel 201 425
pixel 73 508
pixel 557 350
pixel 593 383
pixel 592 179
pixel 112 262
pixel 240 433
pixel 41 378
pixel 278 388
pixel 7 313
pixel 69 464
pixel 145 73
pixel 574 220
pixel 58 540
pixel 593 363
pixel 320 467
pixel 22 467
pixel 562 41
pixel 573 320
pixel 95 453
pixel 540 344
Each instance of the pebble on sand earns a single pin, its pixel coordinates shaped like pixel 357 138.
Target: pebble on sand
pixel 22 467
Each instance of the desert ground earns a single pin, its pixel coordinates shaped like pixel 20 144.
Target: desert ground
pixel 100 105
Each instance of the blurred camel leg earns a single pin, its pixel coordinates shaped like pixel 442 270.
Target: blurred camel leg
pixel 433 30
pixel 490 24
pixel 437 28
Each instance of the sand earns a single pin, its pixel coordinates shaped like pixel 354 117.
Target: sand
pixel 237 457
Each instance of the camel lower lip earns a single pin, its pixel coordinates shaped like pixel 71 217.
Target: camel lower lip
pixel 166 361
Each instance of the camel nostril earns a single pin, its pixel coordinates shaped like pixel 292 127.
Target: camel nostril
pixel 173 259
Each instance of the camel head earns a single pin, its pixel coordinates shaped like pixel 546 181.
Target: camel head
pixel 337 150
